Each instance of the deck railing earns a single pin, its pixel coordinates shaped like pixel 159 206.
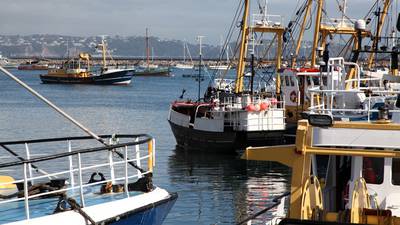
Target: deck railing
pixel 338 22
pixel 346 98
pixel 262 20
pixel 232 110
pixel 80 163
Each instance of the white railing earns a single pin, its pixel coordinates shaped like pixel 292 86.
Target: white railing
pixel 232 110
pixel 338 22
pixel 342 97
pixel 129 153
pixel 328 104
pixel 262 20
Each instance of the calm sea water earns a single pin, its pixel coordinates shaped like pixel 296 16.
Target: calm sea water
pixel 212 188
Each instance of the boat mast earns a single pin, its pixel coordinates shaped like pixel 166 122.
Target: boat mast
pixel 184 51
pixel 227 53
pixel 381 21
pixel 199 38
pixel 301 34
pixel 316 33
pixel 147 49
pixel 243 49
pixel 103 51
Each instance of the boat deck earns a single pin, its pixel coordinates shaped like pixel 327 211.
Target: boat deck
pixel 15 211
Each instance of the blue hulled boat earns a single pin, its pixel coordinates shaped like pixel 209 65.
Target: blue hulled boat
pixel 95 179
pixel 106 77
pixel 95 185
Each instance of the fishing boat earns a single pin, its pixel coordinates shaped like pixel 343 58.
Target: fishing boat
pixel 230 117
pixel 298 80
pixel 36 64
pixel 149 69
pixel 79 72
pixel 343 172
pixel 94 179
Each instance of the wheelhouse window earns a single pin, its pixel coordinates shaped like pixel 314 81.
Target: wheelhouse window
pixel 373 170
pixel 396 171
pixel 316 81
pixel 292 81
pixel 308 81
pixel 287 81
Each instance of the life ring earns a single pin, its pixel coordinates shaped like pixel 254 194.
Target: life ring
pixel 293 96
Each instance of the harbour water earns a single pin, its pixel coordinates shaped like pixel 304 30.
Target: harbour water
pixel 212 188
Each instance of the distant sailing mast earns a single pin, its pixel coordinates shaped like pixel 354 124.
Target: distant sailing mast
pixel 103 47
pixel 184 64
pixel 147 49
pixel 150 69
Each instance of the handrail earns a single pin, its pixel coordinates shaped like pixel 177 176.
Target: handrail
pixel 71 138
pixel 81 168
pixel 61 155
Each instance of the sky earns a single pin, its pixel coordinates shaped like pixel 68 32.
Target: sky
pixel 167 19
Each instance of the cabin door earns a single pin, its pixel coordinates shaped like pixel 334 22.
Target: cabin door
pixel 290 87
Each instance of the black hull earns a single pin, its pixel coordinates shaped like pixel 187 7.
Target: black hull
pixel 228 141
pixel 119 77
pixel 152 73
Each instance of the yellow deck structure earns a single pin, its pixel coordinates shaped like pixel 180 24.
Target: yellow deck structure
pixel 306 192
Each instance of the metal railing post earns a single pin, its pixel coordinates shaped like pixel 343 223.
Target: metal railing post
pixel 80 180
pixel 137 150
pixel 126 171
pixel 71 167
pixel 28 157
pixel 26 194
pixel 111 163
pixel 150 150
pixel 154 152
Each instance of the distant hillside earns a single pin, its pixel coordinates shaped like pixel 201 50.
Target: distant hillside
pixel 59 46
pixel 48 46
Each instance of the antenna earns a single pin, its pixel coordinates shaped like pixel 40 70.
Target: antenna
pixel 199 39
pixel 147 48
pixel 344 7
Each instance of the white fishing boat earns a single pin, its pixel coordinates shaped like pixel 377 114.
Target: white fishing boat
pixel 231 116
pixel 359 182
pixel 343 171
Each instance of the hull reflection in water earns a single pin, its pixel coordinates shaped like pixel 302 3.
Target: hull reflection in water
pixel 221 188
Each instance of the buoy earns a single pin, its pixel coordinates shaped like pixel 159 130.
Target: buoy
pixel 257 107
pixel 250 108
pixel 264 106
